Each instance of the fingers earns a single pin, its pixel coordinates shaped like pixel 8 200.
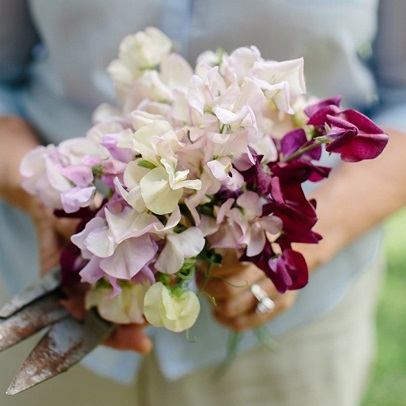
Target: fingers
pixel 230 285
pixel 224 285
pixel 241 301
pixel 241 321
pixel 130 337
pixel 53 234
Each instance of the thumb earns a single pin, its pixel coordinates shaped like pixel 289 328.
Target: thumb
pixel 130 337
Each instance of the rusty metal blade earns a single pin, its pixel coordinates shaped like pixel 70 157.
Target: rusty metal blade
pixel 31 319
pixel 47 283
pixel 67 342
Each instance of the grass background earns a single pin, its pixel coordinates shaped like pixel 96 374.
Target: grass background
pixel 388 385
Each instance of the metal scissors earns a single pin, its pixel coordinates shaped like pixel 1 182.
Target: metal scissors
pixel 66 340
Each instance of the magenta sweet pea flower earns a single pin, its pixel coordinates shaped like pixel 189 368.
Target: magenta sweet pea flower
pixel 354 136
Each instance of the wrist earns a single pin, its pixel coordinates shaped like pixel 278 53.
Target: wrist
pixel 17 138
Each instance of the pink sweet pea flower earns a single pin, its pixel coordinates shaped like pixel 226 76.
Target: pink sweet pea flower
pixel 179 246
pixel 253 224
pixel 129 257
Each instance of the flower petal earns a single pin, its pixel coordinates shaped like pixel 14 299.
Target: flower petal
pixel 157 193
pixel 129 257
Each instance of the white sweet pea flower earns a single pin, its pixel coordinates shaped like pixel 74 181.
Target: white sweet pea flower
pixel 162 187
pixel 141 118
pixel 149 86
pixel 155 90
pixel 131 224
pixel 206 91
pixel 131 193
pixel 241 118
pixel 239 62
pixel 281 82
pixel 153 141
pixel 177 311
pixel 226 174
pixel 175 72
pixel 75 149
pixel 143 50
pixel 127 306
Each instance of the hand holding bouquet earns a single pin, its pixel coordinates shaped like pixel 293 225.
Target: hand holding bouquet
pixel 192 163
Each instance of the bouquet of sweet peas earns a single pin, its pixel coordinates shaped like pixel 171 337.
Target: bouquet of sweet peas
pixel 189 164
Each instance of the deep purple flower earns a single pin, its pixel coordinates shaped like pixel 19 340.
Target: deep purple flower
pixel 287 271
pixel 295 140
pixel 71 264
pixel 70 259
pixel 285 240
pixel 354 136
pixel 289 203
pixel 299 171
pixel 224 194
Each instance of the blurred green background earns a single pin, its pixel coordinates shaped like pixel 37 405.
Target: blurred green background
pixel 388 385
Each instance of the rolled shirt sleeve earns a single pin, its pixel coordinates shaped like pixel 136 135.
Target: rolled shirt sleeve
pixel 17 40
pixel 390 64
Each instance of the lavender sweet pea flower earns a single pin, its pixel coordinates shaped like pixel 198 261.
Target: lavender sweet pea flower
pixel 77 197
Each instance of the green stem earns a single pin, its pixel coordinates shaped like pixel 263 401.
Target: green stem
pixel 207 276
pixel 318 141
pixel 265 338
pixel 234 341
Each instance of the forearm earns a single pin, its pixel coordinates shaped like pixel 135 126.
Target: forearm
pixel 16 138
pixel 356 198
